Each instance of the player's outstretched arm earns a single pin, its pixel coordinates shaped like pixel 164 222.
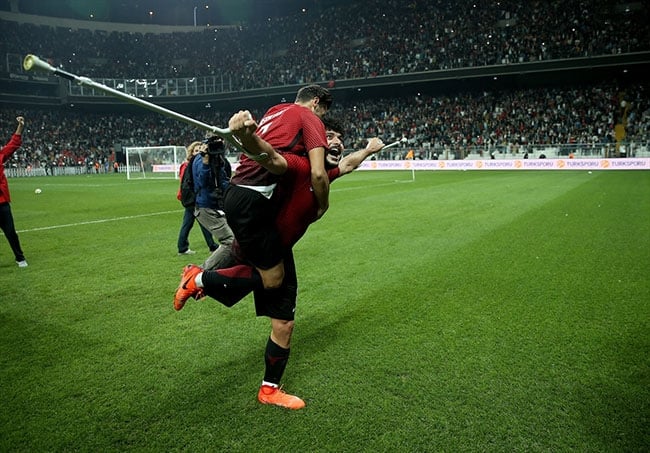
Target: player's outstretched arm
pixel 21 124
pixel 243 126
pixel 350 162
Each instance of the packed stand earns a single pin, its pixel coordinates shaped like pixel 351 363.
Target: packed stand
pixel 89 141
pixel 501 119
pixel 487 120
pixel 359 40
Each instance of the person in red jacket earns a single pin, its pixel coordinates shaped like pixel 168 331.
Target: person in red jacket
pixel 6 217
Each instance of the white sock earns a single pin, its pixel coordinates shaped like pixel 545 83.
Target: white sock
pixel 199 280
pixel 270 384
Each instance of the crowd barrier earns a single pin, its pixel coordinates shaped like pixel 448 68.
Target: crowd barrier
pixel 436 165
pixel 509 164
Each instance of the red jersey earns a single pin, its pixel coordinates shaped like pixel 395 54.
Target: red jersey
pixel 5 154
pixel 298 208
pixel 181 172
pixel 289 129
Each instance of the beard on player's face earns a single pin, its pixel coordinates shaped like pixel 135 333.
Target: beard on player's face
pixel 333 155
pixel 332 159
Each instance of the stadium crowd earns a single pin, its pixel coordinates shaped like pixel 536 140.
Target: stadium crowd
pixel 358 40
pixel 486 121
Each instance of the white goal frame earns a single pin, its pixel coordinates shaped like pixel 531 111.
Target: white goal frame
pixel 153 162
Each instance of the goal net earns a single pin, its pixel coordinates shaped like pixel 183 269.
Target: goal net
pixel 154 162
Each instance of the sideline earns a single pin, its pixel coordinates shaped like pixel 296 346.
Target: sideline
pixel 179 211
pixel 90 222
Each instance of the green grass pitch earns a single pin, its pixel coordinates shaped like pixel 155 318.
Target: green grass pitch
pixel 462 311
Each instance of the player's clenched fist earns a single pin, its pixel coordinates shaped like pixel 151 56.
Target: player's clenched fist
pixel 242 123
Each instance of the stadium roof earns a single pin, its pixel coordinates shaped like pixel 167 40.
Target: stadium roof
pixel 166 12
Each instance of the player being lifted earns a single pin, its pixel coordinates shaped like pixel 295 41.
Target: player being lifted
pixel 293 130
pixel 290 129
pixel 297 211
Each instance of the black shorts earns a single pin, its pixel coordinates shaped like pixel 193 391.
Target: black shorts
pixel 280 303
pixel 252 216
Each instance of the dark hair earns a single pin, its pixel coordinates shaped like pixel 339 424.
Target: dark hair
pixel 333 124
pixel 315 91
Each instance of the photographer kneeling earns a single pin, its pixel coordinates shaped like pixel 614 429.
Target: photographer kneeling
pixel 211 178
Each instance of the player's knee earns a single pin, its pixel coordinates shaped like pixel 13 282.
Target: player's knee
pixel 272 283
pixel 268 282
pixel 289 328
pixel 282 329
pixel 272 278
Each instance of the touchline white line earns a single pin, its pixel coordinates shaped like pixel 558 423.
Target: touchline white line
pixel 90 222
pixel 116 219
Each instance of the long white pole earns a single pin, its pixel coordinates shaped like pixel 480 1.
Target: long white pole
pixel 33 62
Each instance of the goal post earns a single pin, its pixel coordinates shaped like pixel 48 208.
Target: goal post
pixel 153 162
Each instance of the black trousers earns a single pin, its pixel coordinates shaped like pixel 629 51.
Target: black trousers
pixel 9 229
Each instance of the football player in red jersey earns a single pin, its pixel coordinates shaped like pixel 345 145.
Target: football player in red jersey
pixel 291 129
pixel 298 210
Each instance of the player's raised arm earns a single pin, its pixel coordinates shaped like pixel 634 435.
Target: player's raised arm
pixel 350 162
pixel 243 126
pixel 21 124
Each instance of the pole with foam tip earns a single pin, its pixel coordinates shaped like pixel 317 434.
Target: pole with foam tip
pixel 32 62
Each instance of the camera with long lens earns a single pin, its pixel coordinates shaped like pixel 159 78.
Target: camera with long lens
pixel 215 146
